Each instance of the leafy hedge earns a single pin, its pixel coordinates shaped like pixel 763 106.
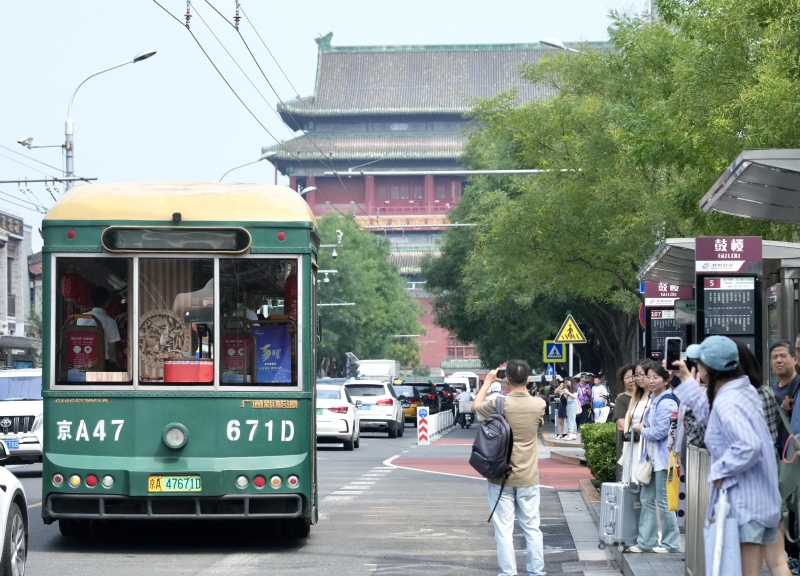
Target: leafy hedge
pixel 600 445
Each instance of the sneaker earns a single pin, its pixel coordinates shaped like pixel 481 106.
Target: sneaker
pixel 636 550
pixel 559 436
pixel 660 550
pixel 571 437
pixel 794 566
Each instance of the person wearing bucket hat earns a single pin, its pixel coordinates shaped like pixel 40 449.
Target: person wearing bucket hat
pixel 738 441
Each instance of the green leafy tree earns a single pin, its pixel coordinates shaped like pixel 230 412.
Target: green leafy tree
pixel 383 309
pixel 631 139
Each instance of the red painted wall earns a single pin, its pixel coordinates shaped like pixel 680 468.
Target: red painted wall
pixel 433 345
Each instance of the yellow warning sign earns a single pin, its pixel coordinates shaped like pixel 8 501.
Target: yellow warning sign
pixel 570 333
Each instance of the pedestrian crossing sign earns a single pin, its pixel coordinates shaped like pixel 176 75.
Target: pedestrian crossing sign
pixel 570 333
pixel 553 352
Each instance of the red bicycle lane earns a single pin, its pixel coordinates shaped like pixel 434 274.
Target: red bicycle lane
pixel 445 456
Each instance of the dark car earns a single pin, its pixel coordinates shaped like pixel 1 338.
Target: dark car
pixel 447 397
pixel 428 394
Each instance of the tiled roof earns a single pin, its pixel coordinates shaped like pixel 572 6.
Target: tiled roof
pixel 463 364
pixel 394 146
pixel 408 261
pixel 358 80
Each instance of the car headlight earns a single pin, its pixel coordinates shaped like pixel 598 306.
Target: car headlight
pixel 37 423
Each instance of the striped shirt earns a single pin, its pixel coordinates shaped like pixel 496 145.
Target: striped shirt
pixel 740 445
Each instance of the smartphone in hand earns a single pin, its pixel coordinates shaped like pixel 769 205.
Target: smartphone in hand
pixel 672 351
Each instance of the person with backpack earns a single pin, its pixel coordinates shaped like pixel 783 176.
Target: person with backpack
pixel 514 492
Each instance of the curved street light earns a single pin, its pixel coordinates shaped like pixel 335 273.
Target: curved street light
pixel 306 190
pixel 69 168
pixel 556 43
pixel 262 157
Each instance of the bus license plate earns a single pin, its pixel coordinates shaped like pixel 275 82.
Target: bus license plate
pixel 174 484
pixel 12 444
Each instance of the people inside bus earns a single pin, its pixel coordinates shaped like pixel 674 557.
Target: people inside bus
pixel 100 298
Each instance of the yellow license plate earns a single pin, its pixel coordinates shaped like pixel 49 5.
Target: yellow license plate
pixel 174 484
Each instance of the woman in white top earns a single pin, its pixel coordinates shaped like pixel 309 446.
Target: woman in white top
pixel 639 401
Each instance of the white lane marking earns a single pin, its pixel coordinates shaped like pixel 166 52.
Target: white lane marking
pixel 34 505
pixel 341 492
pixel 388 461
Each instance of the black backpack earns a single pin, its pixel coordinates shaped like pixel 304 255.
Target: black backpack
pixel 491 451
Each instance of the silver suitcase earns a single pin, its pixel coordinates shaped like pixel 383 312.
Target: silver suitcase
pixel 619 515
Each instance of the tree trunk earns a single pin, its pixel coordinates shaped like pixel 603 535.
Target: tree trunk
pixel 616 332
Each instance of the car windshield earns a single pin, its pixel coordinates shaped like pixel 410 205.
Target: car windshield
pixel 366 389
pixel 328 394
pixel 424 387
pixel 21 388
pixel 407 391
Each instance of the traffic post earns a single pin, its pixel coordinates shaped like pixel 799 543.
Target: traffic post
pixel 423 437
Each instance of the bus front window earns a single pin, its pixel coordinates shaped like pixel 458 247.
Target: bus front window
pixel 176 316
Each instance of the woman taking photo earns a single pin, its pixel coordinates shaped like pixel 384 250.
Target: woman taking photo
pixel 572 409
pixel 739 443
pixel 640 397
pixel 561 424
pixel 654 432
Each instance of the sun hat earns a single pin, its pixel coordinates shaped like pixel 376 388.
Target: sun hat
pixel 717 352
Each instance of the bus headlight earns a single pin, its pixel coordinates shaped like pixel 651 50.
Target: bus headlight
pixel 175 435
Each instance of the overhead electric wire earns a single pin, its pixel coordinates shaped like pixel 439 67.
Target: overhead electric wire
pixel 240 68
pixel 290 115
pixel 27 166
pixel 22 200
pixel 28 193
pixel 29 158
pixel 223 77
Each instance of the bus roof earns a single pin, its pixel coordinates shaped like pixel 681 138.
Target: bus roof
pixel 196 202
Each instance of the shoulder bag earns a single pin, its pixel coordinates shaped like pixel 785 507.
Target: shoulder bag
pixel 644 473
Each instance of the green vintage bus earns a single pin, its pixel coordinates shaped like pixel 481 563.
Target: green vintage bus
pixel 179 352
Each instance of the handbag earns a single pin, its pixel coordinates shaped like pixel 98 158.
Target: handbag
pixel 728 560
pixel 644 473
pixel 578 410
pixel 673 481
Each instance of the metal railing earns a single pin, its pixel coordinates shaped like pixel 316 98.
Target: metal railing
pixel 698 464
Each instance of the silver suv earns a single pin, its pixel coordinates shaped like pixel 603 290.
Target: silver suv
pixel 380 409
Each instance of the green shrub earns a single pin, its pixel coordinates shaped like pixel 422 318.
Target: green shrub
pixel 600 445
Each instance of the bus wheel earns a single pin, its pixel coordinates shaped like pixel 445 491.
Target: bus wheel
pixel 73 528
pixel 296 528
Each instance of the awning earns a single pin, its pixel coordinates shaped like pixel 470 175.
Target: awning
pixel 20 343
pixel 674 261
pixel 760 184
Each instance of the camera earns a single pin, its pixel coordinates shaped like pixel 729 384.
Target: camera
pixel 627 436
pixel 501 374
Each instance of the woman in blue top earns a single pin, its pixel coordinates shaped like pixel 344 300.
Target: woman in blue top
pixel 739 443
pixel 654 430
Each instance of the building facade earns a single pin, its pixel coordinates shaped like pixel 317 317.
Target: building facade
pixel 382 137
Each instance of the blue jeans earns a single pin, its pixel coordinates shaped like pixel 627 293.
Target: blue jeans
pixel 652 495
pixel 524 501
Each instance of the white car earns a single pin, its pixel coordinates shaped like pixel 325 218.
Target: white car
pixel 380 409
pixel 337 416
pixel 21 414
pixel 13 522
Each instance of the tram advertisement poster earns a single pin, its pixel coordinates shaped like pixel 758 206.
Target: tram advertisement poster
pixel 729 305
pixel 236 354
pixel 273 354
pixel 82 354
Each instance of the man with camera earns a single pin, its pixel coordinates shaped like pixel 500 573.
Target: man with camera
pixel 524 414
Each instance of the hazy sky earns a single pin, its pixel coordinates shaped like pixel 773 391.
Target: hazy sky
pixel 172 117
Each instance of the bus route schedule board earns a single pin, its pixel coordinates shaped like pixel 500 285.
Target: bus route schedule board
pixel 729 284
pixel 661 324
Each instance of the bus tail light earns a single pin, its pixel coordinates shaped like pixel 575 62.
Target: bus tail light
pixel 384 402
pixel 108 481
pixel 74 480
pixel 259 481
pixel 275 481
pixel 91 480
pixel 293 481
pixel 242 482
pixel 58 479
pixel 339 409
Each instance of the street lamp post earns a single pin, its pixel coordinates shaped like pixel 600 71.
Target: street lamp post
pixel 262 157
pixel 69 167
pixel 556 43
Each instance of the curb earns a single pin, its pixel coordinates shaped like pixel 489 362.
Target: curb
pixel 568 459
pixel 548 440
pixel 591 497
